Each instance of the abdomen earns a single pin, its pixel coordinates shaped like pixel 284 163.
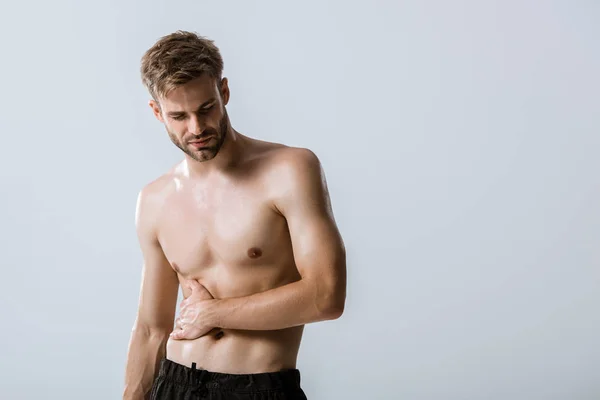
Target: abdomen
pixel 239 351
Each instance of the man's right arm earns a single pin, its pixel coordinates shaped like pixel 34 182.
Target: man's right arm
pixel 156 308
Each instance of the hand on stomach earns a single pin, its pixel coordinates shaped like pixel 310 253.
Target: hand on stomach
pixel 238 351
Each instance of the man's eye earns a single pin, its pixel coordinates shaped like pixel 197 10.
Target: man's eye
pixel 178 117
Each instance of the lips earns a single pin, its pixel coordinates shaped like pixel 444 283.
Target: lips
pixel 201 141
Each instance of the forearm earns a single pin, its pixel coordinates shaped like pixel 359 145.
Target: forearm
pixel 290 305
pixel 146 349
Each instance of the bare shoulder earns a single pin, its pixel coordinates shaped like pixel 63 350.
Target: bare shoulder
pixel 156 189
pixel 278 163
pixel 288 162
pixel 295 176
pixel 152 196
pixel 160 187
pixel 296 157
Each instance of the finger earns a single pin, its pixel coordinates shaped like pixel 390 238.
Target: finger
pixel 194 285
pixel 186 334
pixel 199 290
pixel 177 334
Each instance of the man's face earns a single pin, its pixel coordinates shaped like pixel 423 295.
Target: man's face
pixel 195 117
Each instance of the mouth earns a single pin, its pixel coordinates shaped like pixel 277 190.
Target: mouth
pixel 200 143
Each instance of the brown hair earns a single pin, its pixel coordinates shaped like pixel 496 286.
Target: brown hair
pixel 178 58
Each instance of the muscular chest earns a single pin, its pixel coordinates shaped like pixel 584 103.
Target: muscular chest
pixel 203 227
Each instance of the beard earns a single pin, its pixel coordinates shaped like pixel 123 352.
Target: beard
pixel 206 153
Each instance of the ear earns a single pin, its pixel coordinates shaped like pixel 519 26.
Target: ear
pixel 156 110
pixel 225 91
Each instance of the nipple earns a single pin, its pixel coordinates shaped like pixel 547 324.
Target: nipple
pixel 254 252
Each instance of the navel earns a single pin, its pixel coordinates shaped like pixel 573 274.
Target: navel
pixel 254 252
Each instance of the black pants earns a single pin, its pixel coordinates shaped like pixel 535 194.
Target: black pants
pixel 179 382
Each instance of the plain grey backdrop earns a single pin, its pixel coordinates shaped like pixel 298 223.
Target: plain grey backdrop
pixel 460 140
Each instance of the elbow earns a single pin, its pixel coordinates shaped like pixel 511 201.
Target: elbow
pixel 332 305
pixel 151 330
pixel 333 311
pixel 330 295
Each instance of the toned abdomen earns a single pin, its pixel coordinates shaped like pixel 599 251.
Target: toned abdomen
pixel 239 352
pixel 242 351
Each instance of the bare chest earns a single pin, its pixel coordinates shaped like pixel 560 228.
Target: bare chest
pixel 231 229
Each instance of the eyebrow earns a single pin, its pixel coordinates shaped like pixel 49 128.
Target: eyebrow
pixel 176 113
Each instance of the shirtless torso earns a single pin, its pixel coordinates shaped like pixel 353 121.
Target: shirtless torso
pixel 225 232
pixel 248 220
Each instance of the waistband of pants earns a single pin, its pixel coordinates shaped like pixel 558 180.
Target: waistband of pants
pixel 184 375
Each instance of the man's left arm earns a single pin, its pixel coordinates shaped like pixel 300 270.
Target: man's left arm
pixel 319 253
pixel 303 199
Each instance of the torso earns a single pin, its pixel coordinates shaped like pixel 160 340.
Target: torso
pixel 224 231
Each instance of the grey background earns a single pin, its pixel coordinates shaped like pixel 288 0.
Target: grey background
pixel 460 142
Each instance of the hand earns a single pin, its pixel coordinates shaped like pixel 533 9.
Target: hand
pixel 194 313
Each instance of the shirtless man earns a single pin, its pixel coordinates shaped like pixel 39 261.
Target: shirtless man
pixel 245 227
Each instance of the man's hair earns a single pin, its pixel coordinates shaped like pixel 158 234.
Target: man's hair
pixel 178 58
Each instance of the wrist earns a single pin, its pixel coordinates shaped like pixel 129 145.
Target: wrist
pixel 214 314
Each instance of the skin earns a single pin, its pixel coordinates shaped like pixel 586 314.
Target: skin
pixel 245 228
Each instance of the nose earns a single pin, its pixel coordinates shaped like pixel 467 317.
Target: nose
pixel 195 125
